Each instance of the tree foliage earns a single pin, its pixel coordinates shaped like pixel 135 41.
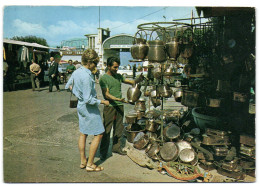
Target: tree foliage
pixel 31 39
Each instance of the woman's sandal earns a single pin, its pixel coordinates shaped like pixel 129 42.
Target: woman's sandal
pixel 94 168
pixel 83 165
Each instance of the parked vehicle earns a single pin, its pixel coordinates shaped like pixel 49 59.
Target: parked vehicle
pixel 125 72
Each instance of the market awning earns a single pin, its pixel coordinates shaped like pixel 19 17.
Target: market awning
pixel 73 58
pixel 23 43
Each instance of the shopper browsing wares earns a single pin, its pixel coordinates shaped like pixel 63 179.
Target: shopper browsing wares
pixel 82 84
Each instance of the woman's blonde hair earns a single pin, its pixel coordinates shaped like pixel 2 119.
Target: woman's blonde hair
pixel 89 56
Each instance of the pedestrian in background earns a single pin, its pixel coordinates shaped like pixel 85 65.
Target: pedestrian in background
pixel 35 71
pixel 134 71
pixel 113 114
pixel 5 70
pixel 82 84
pixel 77 64
pixel 139 68
pixel 54 73
pixel 70 69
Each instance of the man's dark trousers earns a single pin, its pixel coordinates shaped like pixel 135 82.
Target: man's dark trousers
pixel 113 117
pixel 53 81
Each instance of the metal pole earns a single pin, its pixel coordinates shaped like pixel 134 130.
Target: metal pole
pixel 99 17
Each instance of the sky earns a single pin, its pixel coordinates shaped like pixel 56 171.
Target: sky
pixel 57 23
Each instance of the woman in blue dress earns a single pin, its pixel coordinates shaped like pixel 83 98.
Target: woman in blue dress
pixel 82 84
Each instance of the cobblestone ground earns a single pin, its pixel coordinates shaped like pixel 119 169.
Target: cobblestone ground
pixel 40 134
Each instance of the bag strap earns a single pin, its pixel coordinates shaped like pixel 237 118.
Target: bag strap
pixel 72 88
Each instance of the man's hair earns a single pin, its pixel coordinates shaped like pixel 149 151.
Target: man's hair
pixel 89 56
pixel 70 60
pixel 111 60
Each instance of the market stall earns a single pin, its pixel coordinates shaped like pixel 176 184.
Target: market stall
pixel 209 70
pixel 18 57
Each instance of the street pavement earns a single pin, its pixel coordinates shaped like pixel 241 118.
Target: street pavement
pixel 40 135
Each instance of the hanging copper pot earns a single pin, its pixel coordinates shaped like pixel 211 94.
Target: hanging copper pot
pixel 172 48
pixel 178 94
pixel 140 49
pixel 164 91
pixel 156 51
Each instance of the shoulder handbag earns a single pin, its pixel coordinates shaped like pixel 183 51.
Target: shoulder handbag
pixel 74 101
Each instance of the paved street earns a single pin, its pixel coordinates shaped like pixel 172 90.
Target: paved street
pixel 40 142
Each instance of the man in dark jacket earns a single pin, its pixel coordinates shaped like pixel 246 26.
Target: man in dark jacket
pixel 54 73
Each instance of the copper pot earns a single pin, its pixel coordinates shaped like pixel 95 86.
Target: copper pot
pixel 171 132
pixel 154 94
pixel 140 48
pixel 164 91
pixel 183 145
pixel 130 135
pixel 188 156
pixel 172 48
pixel 178 95
pixel 140 114
pixel 169 151
pixel 157 72
pixel 156 51
pixel 131 119
pixel 140 105
pixel 152 125
pixel 152 150
pixel 152 136
pixel 141 143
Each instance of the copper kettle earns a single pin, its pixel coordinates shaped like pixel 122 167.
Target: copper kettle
pixel 134 93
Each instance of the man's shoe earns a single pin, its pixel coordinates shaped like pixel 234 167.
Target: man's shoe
pixel 120 151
